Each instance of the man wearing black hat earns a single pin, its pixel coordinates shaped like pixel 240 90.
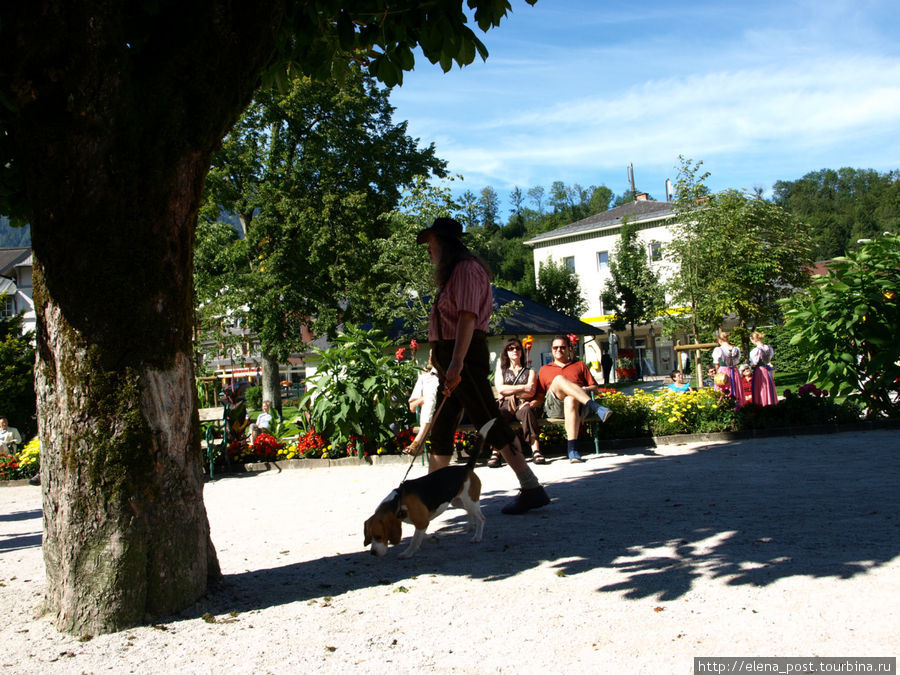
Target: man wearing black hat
pixel 457 331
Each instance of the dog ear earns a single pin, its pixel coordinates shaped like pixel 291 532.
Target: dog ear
pixel 367 533
pixel 395 531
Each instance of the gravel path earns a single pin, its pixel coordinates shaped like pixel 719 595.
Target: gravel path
pixel 765 547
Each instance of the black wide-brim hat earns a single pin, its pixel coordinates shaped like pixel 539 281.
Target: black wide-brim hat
pixel 447 228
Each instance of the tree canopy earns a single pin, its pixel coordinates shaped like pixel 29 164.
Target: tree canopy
pixel 842 206
pixel 558 288
pixel 734 255
pixel 312 174
pixel 632 294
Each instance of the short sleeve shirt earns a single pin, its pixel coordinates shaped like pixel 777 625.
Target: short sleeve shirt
pixel 574 371
pixel 467 290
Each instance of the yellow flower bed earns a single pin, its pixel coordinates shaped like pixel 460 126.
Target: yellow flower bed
pixel 30 457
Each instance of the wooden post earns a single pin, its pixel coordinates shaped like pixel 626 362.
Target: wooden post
pixel 697 348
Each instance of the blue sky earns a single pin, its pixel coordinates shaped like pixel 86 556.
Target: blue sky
pixel 575 90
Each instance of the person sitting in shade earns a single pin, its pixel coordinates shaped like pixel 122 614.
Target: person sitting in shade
pixel 564 388
pixel 678 384
pixel 710 379
pixel 10 438
pixel 746 384
pixel 262 423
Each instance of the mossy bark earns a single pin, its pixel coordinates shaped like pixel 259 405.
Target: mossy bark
pixel 113 111
pixel 271 380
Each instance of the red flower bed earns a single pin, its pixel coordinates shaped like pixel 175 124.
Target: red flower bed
pixel 311 444
pixel 265 447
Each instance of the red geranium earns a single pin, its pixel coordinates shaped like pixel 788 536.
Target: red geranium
pixel 266 446
pixel 400 353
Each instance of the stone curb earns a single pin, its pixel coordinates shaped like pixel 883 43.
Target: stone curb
pixel 13 483
pixel 680 439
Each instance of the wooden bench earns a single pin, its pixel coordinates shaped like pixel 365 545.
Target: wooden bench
pixel 211 420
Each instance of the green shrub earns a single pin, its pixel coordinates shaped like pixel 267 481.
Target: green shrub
pixel 253 396
pixel 17 376
pixel 788 357
pixel 360 389
pixel 809 406
pixel 845 324
pixel 630 415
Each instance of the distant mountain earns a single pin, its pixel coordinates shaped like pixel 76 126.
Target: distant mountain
pixel 13 236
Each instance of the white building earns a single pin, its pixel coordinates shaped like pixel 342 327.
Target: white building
pixel 587 246
pixel 16 284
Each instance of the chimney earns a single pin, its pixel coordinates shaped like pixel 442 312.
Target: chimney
pixel 641 197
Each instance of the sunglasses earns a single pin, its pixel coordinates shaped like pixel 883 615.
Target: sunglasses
pixel 558 348
pixel 513 349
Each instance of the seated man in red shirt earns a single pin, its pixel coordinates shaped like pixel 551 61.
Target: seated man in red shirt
pixel 563 387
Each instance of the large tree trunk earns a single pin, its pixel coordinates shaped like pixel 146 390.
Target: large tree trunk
pixel 271 380
pixel 114 118
pixel 125 530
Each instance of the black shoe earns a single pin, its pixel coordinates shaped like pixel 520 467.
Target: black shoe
pixel 532 498
pixel 35 479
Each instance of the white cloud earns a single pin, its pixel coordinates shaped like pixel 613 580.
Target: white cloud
pixel 784 86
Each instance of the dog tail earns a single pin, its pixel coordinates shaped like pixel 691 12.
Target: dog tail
pixel 475 455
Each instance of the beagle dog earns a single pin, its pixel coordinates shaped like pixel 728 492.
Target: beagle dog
pixel 421 500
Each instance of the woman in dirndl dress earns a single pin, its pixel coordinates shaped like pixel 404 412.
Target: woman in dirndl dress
pixel 761 359
pixel 726 358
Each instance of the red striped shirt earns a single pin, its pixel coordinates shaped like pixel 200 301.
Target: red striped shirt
pixel 467 290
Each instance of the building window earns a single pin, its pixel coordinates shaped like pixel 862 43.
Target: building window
pixel 602 261
pixel 655 251
pixel 8 307
pixel 569 262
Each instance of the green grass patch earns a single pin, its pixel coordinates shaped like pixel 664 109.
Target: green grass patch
pixel 789 380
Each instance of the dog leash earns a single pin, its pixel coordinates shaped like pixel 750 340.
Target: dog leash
pixel 419 448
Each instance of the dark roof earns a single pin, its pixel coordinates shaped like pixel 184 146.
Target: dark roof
pixel 819 268
pixel 537 319
pixel 10 257
pixel 532 319
pixel 643 209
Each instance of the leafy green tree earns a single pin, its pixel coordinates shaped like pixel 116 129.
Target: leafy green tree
pixel 310 173
pixel 489 206
pixel 558 288
pixel 600 199
pixel 842 206
pixel 633 292
pixel 846 325
pixel 17 376
pixel 536 195
pixel 403 275
pixel 695 266
pixel 736 255
pixel 468 212
pixel 110 115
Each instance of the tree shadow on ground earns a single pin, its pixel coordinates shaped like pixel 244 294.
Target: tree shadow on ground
pixel 750 512
pixel 16 541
